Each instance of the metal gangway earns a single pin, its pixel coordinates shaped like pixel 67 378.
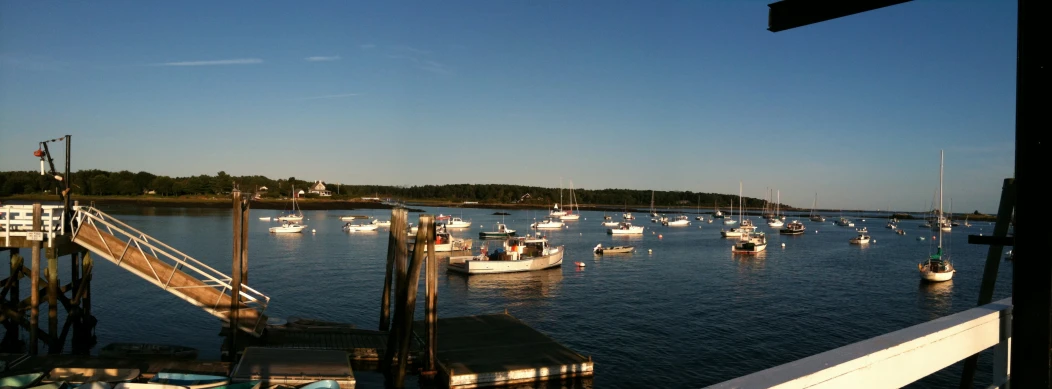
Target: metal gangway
pixel 167 268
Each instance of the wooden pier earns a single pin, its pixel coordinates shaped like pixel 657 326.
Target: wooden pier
pixel 491 350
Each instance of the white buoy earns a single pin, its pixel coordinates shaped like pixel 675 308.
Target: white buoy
pixel 783 245
pixel 874 241
pixel 313 231
pixel 650 251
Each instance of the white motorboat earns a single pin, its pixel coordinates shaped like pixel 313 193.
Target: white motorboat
pixel 456 222
pixel 793 228
pixel 360 227
pixel 609 222
pixel 729 221
pixel 750 244
pixel 288 227
pixel 444 242
pixel 845 222
pixel 775 223
pixel 938 267
pixel 862 238
pixel 348 218
pixel 265 218
pixel 516 255
pixel 680 221
pixel 891 225
pixel 746 225
pixel 547 223
pixel 625 228
pixel 733 233
pixel 381 223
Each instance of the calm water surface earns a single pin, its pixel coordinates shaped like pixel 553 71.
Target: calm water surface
pixel 687 314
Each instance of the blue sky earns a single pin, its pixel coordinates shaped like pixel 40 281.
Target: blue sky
pixel 672 95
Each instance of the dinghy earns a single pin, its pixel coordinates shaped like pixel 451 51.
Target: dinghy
pixel 189 380
pixel 21 380
pixel 599 249
pixel 323 384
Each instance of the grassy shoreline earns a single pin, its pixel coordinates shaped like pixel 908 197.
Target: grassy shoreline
pixel 329 204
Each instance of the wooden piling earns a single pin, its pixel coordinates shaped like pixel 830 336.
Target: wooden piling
pixel 235 274
pixel 52 302
pixel 34 282
pixel 399 225
pixel 245 208
pixel 431 310
pixel 395 242
pixel 87 266
pixel 412 283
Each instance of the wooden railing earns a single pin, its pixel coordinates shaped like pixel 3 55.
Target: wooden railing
pixel 898 358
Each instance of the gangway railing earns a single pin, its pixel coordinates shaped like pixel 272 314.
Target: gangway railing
pixel 207 277
pixel 17 221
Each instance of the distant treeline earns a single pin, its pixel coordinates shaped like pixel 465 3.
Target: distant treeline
pixel 126 183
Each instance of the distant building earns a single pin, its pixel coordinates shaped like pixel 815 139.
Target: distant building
pixel 319 188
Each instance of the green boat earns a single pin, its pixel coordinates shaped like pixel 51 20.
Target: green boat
pixel 20 381
pixel 502 232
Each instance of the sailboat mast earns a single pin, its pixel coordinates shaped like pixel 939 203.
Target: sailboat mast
pixel 940 200
pixel 741 207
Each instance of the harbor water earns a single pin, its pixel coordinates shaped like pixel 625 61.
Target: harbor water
pixel 682 311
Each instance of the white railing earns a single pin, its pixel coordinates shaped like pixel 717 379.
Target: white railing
pixel 898 358
pixel 17 221
pixel 147 245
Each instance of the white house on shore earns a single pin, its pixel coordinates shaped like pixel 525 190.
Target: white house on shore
pixel 319 188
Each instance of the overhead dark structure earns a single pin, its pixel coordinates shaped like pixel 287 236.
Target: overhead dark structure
pixel 787 14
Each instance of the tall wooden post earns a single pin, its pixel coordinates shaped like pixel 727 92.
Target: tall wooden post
pixel 399 228
pixel 235 274
pixel 34 285
pixel 52 303
pixel 431 310
pixel 412 283
pixel 395 244
pixel 11 339
pixel 87 265
pixel 245 207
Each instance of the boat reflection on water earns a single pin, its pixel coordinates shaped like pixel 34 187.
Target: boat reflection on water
pixel 539 283
pixel 935 298
pixel 626 238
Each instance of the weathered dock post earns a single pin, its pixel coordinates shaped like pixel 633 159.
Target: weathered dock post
pixel 399 230
pixel 34 282
pixel 245 208
pixel 235 275
pixel 409 291
pixel 11 341
pixel 54 347
pixel 431 310
pixel 396 248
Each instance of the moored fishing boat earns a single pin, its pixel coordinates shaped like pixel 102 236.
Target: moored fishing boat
pixel 679 221
pixel 502 232
pixel 517 255
pixel 456 222
pixel 444 242
pixel 750 243
pixel 793 228
pixel 862 238
pixel 625 228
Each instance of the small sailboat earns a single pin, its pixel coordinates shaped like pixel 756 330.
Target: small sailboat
pixel 938 267
pixel 737 232
pixel 815 217
pixel 718 214
pixel 570 214
pixel 295 214
pixel 699 218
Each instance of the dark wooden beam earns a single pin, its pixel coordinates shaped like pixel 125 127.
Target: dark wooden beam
pixel 992 240
pixel 1032 266
pixel 787 14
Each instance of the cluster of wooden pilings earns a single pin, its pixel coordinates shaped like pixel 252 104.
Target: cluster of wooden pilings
pixel 45 286
pixel 403 275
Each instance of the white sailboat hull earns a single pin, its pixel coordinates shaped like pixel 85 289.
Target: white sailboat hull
pixel 730 221
pixel 931 276
pixel 610 224
pixel 290 218
pixel 732 233
pixel 776 223
pixel 458 225
pixel 677 223
pixel 360 227
pixel 551 225
pixel 570 217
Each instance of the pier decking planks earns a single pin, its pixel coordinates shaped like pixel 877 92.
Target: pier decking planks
pixel 488 350
pixel 294 367
pixel 362 345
